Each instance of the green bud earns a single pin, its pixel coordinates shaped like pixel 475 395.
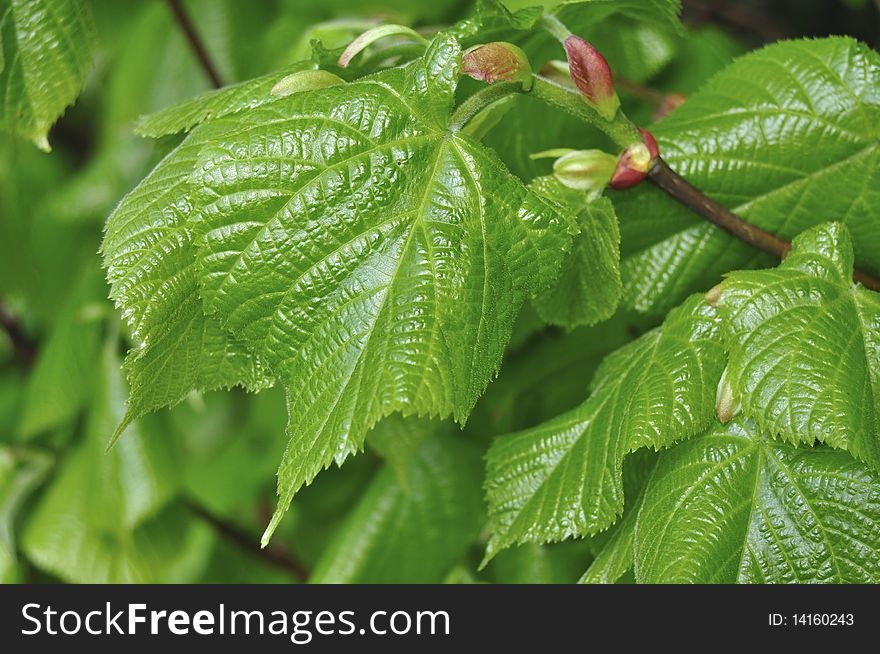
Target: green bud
pixel 305 80
pixel 582 170
pixel 726 405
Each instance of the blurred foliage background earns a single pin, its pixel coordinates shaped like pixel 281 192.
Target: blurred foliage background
pixel 186 493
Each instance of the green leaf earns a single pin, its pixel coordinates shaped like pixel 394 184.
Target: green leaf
pixel 21 471
pixel 787 137
pixel 397 440
pixel 615 554
pixel 353 243
pixel 46 50
pixel 150 265
pixel 63 378
pixel 530 563
pixel 214 104
pixel 98 520
pixel 562 479
pixel 492 21
pixel 589 287
pixel 412 534
pixel 735 506
pixel 805 346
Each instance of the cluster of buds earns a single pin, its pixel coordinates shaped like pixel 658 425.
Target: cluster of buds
pixel 593 170
pixel 583 170
pixel 497 62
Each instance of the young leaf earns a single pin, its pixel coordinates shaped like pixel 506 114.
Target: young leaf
pixel 373 258
pixel 562 479
pixel 795 145
pixel 735 506
pixel 45 51
pixel 589 287
pixel 412 533
pixel 805 346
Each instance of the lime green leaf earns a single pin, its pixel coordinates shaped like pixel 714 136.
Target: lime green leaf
pixel 412 534
pixel 21 471
pixel 805 346
pixel 354 244
pixel 735 506
pixel 788 138
pixel 589 287
pixel 214 104
pixel 562 479
pixel 150 264
pixel 46 51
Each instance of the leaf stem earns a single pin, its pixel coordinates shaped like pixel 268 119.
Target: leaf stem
pixel 679 188
pixel 621 129
pixel 555 27
pixel 272 555
pixel 195 43
pixel 479 101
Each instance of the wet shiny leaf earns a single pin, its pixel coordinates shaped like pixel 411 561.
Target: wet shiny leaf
pixel 805 346
pixel 735 506
pixel 562 479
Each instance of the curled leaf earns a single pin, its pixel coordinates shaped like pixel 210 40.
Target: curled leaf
pixel 369 37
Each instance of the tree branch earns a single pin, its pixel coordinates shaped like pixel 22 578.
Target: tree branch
pixel 274 556
pixel 25 349
pixel 195 43
pixel 683 191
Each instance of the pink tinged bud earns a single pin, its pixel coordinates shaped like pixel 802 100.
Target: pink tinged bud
pixel 635 163
pixel 669 103
pixel 497 62
pixel 590 73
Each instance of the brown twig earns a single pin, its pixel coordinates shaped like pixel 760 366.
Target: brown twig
pixel 272 555
pixel 738 16
pixel 683 191
pixel 195 42
pixel 25 349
